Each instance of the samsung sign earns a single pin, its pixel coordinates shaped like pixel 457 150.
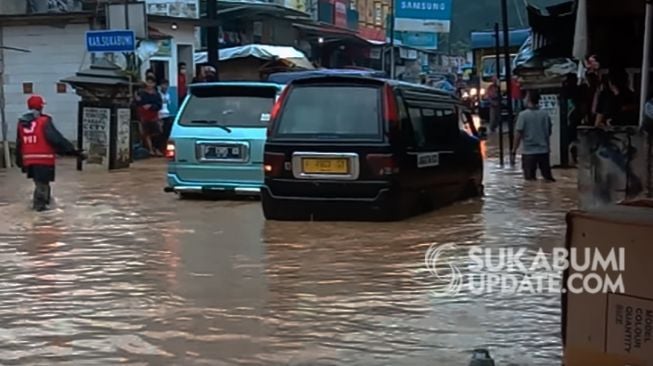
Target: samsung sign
pixel 423 15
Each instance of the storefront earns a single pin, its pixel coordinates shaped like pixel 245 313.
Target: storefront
pixel 176 42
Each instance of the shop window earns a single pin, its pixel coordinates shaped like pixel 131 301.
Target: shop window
pixel 28 88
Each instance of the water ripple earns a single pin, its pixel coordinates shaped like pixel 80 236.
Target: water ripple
pixel 122 273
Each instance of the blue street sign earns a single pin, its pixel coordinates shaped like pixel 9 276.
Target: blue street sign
pixel 423 9
pixel 110 41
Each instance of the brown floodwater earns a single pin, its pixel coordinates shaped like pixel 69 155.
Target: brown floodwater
pixel 121 273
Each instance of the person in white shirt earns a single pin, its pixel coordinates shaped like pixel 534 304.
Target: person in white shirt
pixel 164 113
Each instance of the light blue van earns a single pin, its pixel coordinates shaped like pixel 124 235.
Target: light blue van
pixel 217 141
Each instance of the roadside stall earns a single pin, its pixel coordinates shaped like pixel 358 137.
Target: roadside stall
pixel 255 62
pixel 543 65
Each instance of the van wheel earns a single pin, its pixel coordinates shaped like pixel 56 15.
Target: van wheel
pixel 473 189
pixel 397 208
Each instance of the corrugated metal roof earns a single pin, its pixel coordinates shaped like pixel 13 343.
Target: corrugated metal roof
pixel 486 39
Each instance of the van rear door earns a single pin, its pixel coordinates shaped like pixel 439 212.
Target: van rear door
pixel 331 130
pixel 221 131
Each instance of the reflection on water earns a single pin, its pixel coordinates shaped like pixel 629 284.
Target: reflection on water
pixel 122 273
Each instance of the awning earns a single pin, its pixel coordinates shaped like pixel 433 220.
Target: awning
pixel 486 39
pixel 236 9
pixel 329 33
pixel 156 35
pixel 260 51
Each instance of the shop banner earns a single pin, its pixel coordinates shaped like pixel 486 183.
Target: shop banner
pixel 340 14
pixel 418 39
pixel 296 4
pixel 423 15
pixel 173 8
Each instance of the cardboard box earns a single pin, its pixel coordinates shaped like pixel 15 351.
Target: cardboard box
pixel 612 329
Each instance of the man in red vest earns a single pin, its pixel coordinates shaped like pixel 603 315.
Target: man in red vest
pixel 37 143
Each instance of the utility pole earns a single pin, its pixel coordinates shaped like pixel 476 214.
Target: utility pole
pixel 497 50
pixel 131 54
pixel 506 51
pixel 392 39
pixel 213 35
pixel 5 142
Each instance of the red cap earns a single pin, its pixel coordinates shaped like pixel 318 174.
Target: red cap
pixel 35 102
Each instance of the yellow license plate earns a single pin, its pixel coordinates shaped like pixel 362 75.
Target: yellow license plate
pixel 325 166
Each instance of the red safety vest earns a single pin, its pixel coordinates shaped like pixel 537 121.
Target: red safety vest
pixel 34 146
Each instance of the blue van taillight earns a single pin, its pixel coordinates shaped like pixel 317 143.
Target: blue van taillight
pixel 171 151
pixel 383 164
pixel 273 164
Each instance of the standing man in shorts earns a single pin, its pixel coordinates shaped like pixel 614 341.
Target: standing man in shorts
pixel 149 104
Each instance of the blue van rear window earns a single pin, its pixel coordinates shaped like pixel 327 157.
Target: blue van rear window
pixel 234 106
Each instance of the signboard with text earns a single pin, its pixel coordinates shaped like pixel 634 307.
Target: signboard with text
pixel 110 41
pixel 423 15
pixel 174 8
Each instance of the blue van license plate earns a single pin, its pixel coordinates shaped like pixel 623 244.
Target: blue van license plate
pixel 222 152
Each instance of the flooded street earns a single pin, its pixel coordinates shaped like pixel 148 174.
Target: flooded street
pixel 120 272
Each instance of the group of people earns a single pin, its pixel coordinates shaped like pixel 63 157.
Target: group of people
pixel 493 96
pixel 153 103
pixel 599 100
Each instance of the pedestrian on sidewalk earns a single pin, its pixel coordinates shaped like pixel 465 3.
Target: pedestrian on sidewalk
pixel 164 114
pixel 149 104
pixel 534 128
pixel 182 83
pixel 516 94
pixel 494 98
pixel 37 143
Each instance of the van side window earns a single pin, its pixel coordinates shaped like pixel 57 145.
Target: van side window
pixel 407 129
pixel 440 126
pixel 416 122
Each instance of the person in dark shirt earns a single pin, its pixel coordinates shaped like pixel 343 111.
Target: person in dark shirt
pixel 603 103
pixel 623 111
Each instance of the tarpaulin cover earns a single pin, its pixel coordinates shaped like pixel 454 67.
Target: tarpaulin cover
pixel 486 39
pixel 264 52
pixel 286 77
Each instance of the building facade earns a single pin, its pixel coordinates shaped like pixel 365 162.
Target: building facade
pixel 52 35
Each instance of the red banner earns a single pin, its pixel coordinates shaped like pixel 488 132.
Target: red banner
pixel 340 14
pixel 372 33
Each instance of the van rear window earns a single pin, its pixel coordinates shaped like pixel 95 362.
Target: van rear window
pixel 233 106
pixel 325 111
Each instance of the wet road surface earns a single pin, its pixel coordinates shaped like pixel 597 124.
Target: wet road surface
pixel 122 273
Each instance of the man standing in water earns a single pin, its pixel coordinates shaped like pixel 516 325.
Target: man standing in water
pixel 37 143
pixel 534 129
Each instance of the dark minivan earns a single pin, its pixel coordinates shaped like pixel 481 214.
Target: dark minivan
pixel 341 145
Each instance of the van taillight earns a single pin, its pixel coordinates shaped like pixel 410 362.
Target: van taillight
pixel 390 110
pixel 171 152
pixel 273 164
pixel 276 108
pixel 383 164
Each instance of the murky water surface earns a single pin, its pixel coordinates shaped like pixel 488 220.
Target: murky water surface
pixel 121 272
